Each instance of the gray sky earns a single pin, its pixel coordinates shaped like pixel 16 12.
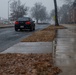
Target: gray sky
pixel 48 3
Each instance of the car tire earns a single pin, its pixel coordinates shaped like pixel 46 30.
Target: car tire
pixel 34 28
pixel 16 29
pixel 31 29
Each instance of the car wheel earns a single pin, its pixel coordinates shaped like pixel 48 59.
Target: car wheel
pixel 31 29
pixel 34 28
pixel 16 29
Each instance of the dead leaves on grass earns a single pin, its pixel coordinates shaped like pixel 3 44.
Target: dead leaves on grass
pixel 40 36
pixel 27 64
pixel 45 35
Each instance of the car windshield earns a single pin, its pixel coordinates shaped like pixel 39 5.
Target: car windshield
pixel 23 19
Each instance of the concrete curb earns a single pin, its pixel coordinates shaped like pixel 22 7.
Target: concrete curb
pixel 6 27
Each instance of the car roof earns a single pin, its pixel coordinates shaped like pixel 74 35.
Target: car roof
pixel 23 18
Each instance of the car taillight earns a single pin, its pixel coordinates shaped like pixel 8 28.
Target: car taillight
pixel 16 22
pixel 28 23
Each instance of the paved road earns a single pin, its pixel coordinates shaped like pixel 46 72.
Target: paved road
pixel 9 37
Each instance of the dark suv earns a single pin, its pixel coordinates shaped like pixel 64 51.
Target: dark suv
pixel 24 23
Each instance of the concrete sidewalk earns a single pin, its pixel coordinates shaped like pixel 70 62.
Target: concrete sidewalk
pixel 30 47
pixel 65 54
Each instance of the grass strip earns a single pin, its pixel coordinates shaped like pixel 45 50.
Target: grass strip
pixel 27 64
pixel 45 35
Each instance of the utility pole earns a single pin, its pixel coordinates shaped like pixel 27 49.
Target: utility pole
pixel 8 11
pixel 8 8
pixel 56 14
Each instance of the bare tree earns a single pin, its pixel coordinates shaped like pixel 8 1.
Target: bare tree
pixel 17 10
pixel 38 12
pixel 56 14
pixel 63 13
pixel 69 1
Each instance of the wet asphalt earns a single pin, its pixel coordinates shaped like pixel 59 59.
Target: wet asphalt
pixel 9 37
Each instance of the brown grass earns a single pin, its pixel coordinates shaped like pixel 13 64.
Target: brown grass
pixel 40 36
pixel 45 35
pixel 52 27
pixel 27 64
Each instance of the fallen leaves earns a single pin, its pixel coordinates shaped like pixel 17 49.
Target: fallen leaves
pixel 45 35
pixel 52 27
pixel 27 64
pixel 40 36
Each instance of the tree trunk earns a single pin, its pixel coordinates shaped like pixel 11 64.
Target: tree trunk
pixel 56 14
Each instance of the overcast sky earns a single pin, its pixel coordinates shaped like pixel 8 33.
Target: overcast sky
pixel 48 3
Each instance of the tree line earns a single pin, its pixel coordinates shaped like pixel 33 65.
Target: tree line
pixel 38 11
pixel 64 11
